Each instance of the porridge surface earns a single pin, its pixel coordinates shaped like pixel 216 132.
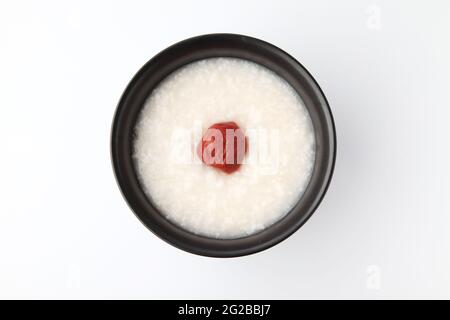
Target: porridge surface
pixel 206 201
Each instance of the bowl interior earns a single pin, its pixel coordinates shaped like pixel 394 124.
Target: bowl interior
pixel 209 46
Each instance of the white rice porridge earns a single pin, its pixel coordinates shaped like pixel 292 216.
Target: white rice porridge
pixel 202 199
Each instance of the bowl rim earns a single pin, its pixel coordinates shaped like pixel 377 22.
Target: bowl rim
pixel 120 141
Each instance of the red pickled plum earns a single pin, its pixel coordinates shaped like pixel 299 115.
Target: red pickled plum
pixel 223 146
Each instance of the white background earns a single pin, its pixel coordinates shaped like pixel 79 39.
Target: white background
pixel 382 231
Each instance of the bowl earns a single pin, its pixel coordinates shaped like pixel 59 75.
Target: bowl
pixel 209 46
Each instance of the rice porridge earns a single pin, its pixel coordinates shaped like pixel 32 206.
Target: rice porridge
pixel 263 181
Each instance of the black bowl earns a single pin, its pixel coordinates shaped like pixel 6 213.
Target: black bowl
pixel 208 46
